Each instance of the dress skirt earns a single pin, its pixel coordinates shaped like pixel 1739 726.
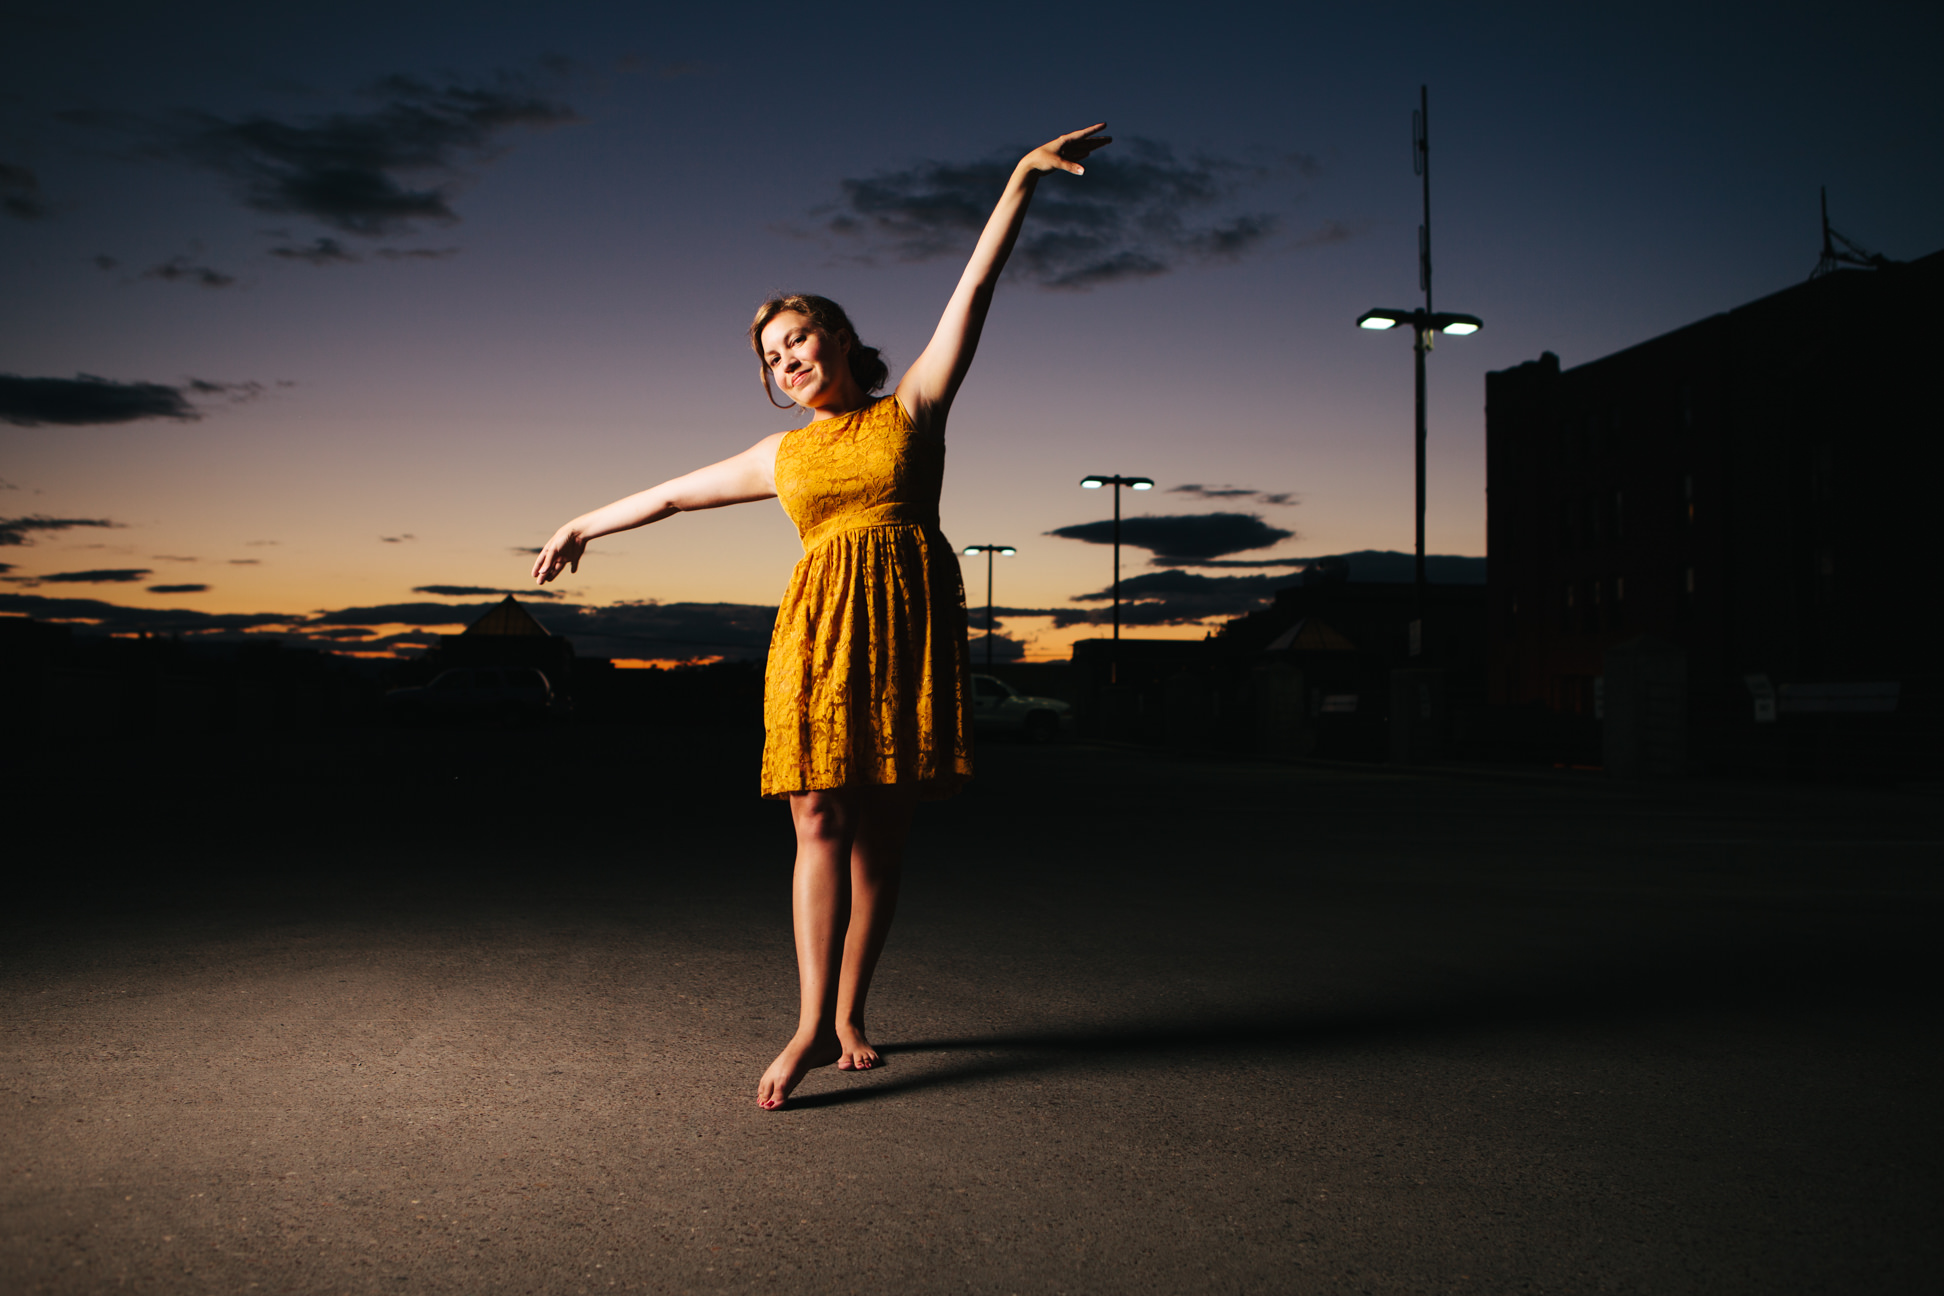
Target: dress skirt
pixel 868 679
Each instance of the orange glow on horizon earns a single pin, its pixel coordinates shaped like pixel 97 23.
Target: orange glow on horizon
pixel 662 663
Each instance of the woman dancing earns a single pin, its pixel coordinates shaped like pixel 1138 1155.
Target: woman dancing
pixel 866 699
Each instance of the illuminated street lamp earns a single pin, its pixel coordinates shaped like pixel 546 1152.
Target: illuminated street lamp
pixel 1095 482
pixel 1425 325
pixel 989 551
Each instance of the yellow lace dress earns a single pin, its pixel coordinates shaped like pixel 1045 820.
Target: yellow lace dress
pixel 868 673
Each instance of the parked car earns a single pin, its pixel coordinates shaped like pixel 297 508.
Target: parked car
pixel 509 694
pixel 998 708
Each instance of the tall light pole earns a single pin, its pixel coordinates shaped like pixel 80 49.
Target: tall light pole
pixel 1425 325
pixel 1094 482
pixel 989 551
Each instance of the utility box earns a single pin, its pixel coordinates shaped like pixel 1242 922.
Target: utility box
pixel 1646 707
pixel 1419 716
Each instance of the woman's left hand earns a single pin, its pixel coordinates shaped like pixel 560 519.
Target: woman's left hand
pixel 1067 152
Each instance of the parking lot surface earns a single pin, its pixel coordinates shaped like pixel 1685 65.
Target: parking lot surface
pixel 484 1012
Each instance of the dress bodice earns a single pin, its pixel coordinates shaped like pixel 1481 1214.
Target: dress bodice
pixel 867 468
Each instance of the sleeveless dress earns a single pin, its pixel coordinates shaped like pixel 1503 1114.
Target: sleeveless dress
pixel 868 678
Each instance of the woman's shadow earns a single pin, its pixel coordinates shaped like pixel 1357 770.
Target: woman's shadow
pixel 1653 983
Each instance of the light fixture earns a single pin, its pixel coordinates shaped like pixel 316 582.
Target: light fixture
pixel 972 551
pixel 1094 481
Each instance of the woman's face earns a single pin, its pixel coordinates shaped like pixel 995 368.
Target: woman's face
pixel 811 368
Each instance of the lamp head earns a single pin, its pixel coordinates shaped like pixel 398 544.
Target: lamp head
pixel 1093 483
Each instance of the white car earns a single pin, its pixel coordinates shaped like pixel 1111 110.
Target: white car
pixel 997 708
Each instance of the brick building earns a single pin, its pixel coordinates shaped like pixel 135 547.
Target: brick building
pixel 1754 494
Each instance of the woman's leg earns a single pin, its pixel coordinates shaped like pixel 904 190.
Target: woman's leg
pixel 820 907
pixel 850 858
pixel 876 868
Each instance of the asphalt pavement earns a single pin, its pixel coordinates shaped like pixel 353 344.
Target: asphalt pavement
pixel 484 1012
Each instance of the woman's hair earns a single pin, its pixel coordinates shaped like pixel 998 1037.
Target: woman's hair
pixel 867 366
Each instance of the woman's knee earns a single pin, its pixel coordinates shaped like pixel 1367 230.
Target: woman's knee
pixel 824 816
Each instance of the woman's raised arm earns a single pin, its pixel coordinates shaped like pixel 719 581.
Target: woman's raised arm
pixel 742 479
pixel 928 386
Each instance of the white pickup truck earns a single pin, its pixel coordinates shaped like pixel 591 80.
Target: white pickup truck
pixel 997 708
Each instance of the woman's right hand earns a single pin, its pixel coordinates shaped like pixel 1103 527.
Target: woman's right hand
pixel 562 552
pixel 1068 151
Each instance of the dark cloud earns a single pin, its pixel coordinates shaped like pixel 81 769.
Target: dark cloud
pixel 1182 537
pixel 172 558
pixel 112 618
pixel 19 531
pixel 20 193
pixel 398 539
pixel 1175 597
pixel 246 562
pixel 178 589
pixel 322 251
pixel 1140 211
pixel 678 631
pixel 103 261
pixel 481 591
pixel 180 269
pixel 234 392
pixel 671 630
pixel 85 399
pixel 98 576
pixel 1380 565
pixel 413 614
pixel 1330 231
pixel 1195 490
pixel 370 173
pixel 328 251
pixel 1003 649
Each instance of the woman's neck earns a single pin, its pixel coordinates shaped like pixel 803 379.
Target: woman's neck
pixel 849 403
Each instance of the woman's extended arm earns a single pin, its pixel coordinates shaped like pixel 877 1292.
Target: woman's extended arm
pixel 928 386
pixel 748 476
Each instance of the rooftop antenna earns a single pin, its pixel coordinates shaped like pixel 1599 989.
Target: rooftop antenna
pixel 1851 253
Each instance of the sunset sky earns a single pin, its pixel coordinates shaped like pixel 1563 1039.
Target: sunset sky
pixel 381 295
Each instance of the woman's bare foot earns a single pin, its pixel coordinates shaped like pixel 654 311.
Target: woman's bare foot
pixel 802 1055
pixel 858 1053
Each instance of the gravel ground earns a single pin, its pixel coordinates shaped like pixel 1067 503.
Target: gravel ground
pixel 484 1012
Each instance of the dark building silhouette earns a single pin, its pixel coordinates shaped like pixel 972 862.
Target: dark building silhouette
pixel 509 635
pixel 1740 511
pixel 1324 661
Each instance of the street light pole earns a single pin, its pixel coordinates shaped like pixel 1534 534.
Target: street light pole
pixel 989 551
pixel 1425 324
pixel 1421 163
pixel 1420 345
pixel 1095 481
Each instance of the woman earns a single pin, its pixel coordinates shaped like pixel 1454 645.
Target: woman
pixel 865 697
